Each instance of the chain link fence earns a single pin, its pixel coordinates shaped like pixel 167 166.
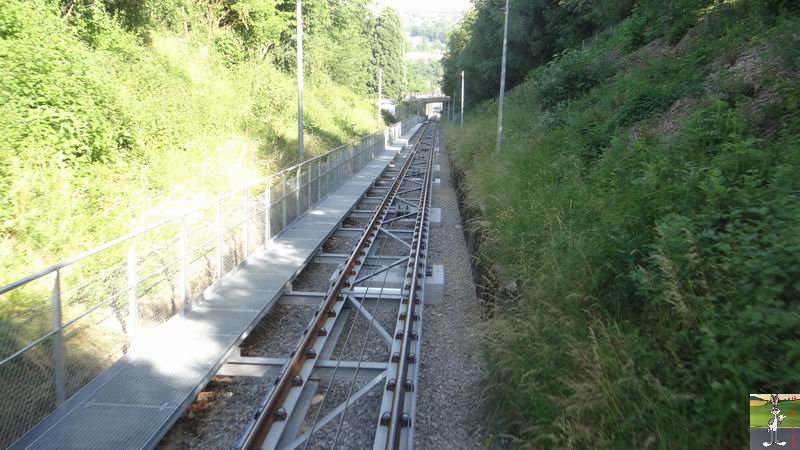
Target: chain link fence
pixel 62 327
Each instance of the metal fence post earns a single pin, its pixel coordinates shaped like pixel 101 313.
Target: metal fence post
pixel 342 167
pixel 246 230
pixel 359 155
pixel 334 171
pixel 309 182
pixel 319 180
pixel 298 192
pixel 285 187
pixel 58 342
pixel 220 241
pixel 268 213
pixel 352 163
pixel 184 255
pixel 327 174
pixel 133 301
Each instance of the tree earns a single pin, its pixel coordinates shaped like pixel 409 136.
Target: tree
pixel 348 62
pixel 388 53
pixel 538 29
pixel 260 23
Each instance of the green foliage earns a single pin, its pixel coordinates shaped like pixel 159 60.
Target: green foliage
pixel 260 23
pixel 99 112
pixel 388 53
pixel 349 62
pixel 538 30
pixel 230 48
pixel 424 76
pixel 671 19
pixel 570 75
pixel 658 265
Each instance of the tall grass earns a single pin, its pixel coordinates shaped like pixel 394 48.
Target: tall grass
pixel 658 268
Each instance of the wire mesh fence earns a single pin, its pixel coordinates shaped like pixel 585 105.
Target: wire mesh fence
pixel 62 327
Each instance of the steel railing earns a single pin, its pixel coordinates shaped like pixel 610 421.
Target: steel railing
pixel 102 299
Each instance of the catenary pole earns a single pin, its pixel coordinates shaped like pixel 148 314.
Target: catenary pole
pixel 502 86
pixel 380 94
pixel 453 106
pixel 462 99
pixel 300 147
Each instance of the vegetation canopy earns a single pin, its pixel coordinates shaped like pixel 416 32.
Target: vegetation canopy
pixel 646 203
pixel 162 104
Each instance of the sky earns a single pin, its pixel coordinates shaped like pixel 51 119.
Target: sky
pixel 428 5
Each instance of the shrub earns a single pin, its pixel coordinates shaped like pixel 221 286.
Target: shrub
pixel 230 47
pixel 570 75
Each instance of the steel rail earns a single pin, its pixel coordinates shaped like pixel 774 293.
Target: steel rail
pixel 344 347
pixel 396 423
pixel 417 235
pixel 359 312
pixel 268 411
pixel 371 320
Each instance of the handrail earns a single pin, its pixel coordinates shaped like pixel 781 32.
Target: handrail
pixel 69 261
pixel 119 299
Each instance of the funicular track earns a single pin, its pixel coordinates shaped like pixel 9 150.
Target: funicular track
pixel 145 329
pixel 313 400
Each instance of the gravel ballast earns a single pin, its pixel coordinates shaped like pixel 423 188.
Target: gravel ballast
pixel 451 368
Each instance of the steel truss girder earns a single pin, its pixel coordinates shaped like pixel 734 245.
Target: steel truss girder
pixel 338 410
pixel 337 258
pixel 345 231
pixel 382 270
pixel 395 427
pixel 374 323
pixel 394 236
pixel 403 217
pixel 389 297
pixel 278 412
pixel 250 366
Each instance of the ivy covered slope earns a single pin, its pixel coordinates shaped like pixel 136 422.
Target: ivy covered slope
pixel 115 113
pixel 647 199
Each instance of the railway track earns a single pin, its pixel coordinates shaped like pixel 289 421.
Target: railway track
pixel 314 399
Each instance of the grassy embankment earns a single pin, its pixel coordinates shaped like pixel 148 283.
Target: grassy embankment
pixel 109 122
pixel 647 200
pixel 105 127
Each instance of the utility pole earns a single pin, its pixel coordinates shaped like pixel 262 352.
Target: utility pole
pixel 502 86
pixel 462 99
pixel 299 13
pixel 380 94
pixel 453 107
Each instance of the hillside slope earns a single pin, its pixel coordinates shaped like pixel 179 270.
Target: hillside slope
pixel 116 114
pixel 648 204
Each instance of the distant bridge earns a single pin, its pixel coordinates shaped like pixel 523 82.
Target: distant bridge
pixel 424 105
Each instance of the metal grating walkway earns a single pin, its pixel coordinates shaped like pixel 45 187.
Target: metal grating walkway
pixel 133 404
